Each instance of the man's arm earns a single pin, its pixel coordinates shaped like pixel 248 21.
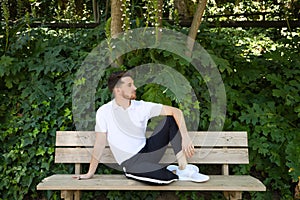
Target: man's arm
pixel 99 147
pixel 187 144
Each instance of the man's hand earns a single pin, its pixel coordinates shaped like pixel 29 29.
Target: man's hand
pixel 100 142
pixel 187 146
pixel 82 176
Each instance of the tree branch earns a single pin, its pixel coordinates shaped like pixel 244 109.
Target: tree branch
pixel 195 26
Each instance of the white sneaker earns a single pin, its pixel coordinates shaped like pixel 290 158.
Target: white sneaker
pixel 190 173
pixel 188 166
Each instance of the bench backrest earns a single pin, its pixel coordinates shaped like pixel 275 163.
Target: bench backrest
pixel 210 148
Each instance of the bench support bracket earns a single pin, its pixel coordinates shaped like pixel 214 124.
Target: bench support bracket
pixel 233 195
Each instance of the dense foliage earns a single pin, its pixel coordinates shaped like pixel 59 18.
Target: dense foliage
pixel 260 70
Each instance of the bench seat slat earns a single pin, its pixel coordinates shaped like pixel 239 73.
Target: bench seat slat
pixel 120 182
pixel 203 139
pixel 202 156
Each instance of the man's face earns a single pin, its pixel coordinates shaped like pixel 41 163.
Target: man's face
pixel 127 88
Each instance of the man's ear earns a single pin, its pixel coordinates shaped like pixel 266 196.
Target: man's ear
pixel 116 90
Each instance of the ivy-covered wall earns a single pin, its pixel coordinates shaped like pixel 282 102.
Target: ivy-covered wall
pixel 261 74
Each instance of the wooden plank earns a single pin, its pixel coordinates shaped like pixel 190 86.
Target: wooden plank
pixel 203 138
pixel 220 139
pixel 119 182
pixel 75 138
pixel 202 156
pixel 225 169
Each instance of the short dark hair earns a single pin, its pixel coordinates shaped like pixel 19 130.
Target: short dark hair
pixel 114 78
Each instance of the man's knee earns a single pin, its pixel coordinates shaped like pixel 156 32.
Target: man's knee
pixel 170 119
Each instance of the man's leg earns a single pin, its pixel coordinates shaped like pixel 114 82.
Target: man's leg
pixel 167 132
pixel 146 162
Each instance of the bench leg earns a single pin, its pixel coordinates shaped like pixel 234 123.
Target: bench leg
pixel 77 195
pixel 70 195
pixel 233 195
pixel 67 195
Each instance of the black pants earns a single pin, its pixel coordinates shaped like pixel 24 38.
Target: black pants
pixel 146 162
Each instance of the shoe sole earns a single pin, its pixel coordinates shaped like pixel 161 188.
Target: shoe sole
pixel 150 180
pixel 194 180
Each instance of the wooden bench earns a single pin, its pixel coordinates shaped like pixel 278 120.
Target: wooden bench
pixel 221 148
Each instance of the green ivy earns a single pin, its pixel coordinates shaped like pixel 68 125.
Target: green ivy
pixel 38 71
pixel 263 99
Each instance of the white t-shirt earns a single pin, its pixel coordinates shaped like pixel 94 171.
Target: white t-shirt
pixel 125 128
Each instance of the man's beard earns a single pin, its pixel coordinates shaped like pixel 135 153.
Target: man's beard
pixel 131 97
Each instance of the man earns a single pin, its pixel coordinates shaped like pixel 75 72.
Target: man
pixel 123 121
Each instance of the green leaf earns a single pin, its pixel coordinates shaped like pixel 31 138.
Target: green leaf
pixel 222 64
pixel 275 79
pixel 252 115
pixel 154 93
pixel 135 60
pixel 27 141
pixel 293 157
pixel 5 62
pixel 9 82
pixel 297 110
pixel 40 151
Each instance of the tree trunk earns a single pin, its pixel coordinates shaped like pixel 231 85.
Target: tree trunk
pixel 297 191
pixel 181 8
pixel 79 7
pixel 185 8
pixel 96 11
pixel 106 9
pixel 160 16
pixel 116 24
pixel 195 26
pixel 116 15
pixel 160 12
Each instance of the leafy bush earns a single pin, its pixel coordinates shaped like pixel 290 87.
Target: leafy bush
pixel 38 69
pixel 263 99
pixel 37 73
